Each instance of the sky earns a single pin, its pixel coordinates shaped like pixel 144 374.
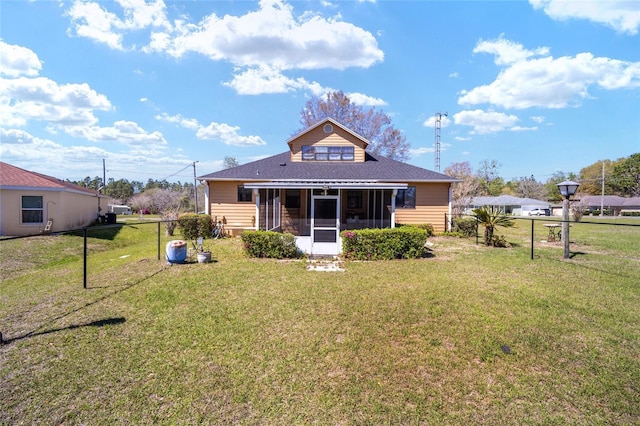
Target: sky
pixel 162 89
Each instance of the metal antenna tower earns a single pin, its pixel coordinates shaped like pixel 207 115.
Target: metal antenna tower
pixel 438 125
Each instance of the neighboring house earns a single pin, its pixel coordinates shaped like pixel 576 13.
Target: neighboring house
pixel 326 183
pixel 32 203
pixel 611 203
pixel 508 204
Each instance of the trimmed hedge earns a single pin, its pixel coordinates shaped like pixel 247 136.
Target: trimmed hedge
pixel 466 226
pixel 194 225
pixel 406 242
pixel 275 245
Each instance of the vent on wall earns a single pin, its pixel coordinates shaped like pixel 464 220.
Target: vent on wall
pixel 328 128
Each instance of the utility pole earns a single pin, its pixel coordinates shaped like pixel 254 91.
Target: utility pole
pixel 195 187
pixel 438 125
pixel 602 196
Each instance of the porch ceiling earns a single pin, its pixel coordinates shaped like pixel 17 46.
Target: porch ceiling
pixel 324 184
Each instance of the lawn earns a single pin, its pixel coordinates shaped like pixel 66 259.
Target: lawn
pixel 468 335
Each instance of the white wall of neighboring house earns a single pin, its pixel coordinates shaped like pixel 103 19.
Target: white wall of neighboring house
pixel 67 209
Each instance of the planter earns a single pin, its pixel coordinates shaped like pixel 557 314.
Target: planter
pixel 176 251
pixel 204 257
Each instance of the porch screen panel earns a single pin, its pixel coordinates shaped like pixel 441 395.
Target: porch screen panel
pixel 270 214
pixel 377 211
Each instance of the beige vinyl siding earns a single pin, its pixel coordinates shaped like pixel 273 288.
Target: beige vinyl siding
pixel 432 203
pixel 317 137
pixel 224 205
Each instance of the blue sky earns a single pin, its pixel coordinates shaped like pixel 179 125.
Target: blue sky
pixel 151 86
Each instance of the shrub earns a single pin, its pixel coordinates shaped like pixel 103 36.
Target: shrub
pixel 405 242
pixel 467 226
pixel 426 226
pixel 500 241
pixel 194 225
pixel 275 245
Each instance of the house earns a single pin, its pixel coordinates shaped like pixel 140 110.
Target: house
pixel 32 203
pixel 612 204
pixel 508 204
pixel 326 182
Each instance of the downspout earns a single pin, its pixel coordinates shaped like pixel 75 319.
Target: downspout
pixel 394 193
pixel 256 192
pixel 207 205
pixel 447 226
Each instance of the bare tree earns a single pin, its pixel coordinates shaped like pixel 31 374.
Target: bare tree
pixel 466 189
pixel 531 188
pixel 230 162
pixel 373 125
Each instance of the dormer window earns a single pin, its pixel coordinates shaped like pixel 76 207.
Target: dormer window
pixel 327 153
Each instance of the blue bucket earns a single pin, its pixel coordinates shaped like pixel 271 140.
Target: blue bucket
pixel 176 251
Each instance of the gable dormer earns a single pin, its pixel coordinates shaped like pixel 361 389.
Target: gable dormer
pixel 327 141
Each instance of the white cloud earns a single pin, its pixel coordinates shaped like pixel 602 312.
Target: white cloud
pixel 365 100
pixel 125 132
pixel 416 152
pixel 93 21
pixel 621 15
pixel 228 135
pixel 523 129
pixel 187 123
pixel 508 52
pixel 271 36
pixel 431 121
pixel 264 79
pixel 223 132
pixel 261 44
pixel 22 149
pixel 18 61
pixel 547 82
pixel 484 122
pixel 538 119
pixel 24 99
pixel 462 138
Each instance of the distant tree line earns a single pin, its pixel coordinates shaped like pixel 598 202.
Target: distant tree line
pixel 621 177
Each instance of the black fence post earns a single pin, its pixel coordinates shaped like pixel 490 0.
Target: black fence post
pixel 532 239
pixel 158 240
pixel 85 258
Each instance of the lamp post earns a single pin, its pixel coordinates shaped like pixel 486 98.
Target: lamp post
pixel 567 189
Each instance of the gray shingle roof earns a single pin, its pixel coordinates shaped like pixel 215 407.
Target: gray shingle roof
pixel 374 168
pixel 507 200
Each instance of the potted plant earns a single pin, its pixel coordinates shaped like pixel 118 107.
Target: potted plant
pixel 203 253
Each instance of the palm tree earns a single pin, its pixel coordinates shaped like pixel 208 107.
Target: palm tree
pixel 491 218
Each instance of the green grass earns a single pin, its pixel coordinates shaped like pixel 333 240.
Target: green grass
pixel 471 335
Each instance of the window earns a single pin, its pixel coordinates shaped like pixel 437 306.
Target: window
pixel 307 153
pixel 292 199
pixel 244 194
pixel 322 153
pixel 354 199
pixel 406 198
pixel 327 153
pixel 32 211
pixel 347 153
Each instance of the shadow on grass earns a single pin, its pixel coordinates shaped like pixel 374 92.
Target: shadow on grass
pixel 101 232
pixel 617 272
pixel 99 323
